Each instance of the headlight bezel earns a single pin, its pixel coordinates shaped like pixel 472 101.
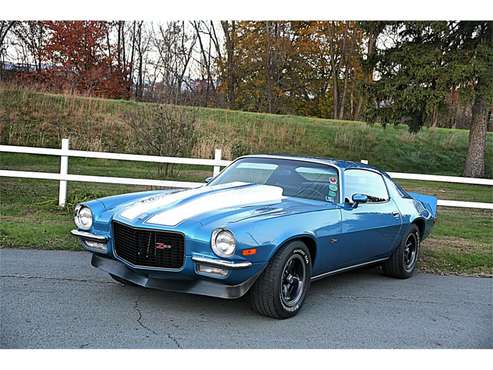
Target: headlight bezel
pixel 215 245
pixel 78 217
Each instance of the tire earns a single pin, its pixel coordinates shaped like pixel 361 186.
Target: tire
pixel 402 263
pixel 122 281
pixel 281 289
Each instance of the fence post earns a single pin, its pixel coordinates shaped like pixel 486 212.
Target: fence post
pixel 62 192
pixel 364 161
pixel 217 157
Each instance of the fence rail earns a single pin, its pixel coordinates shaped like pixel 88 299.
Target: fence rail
pixel 217 162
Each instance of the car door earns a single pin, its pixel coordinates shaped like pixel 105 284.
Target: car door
pixel 369 230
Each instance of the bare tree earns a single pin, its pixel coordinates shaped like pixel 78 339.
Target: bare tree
pixel 206 61
pixel 5 27
pixel 32 36
pixel 229 29
pixel 175 46
pixel 139 61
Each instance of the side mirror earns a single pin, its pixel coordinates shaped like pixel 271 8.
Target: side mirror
pixel 209 179
pixel 359 198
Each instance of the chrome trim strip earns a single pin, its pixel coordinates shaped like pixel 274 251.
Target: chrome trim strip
pixel 222 263
pixel 87 235
pixel 333 272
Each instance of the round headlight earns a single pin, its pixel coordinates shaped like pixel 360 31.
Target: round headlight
pixel 223 243
pixel 83 217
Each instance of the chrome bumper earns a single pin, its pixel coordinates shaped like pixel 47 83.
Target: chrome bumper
pixel 221 263
pixel 91 242
pixel 89 236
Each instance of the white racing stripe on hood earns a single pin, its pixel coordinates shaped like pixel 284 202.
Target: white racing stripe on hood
pixel 158 201
pixel 223 199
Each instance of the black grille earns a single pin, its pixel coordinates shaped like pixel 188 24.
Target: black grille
pixel 148 247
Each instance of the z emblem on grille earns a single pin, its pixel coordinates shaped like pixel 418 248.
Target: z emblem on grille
pixel 162 246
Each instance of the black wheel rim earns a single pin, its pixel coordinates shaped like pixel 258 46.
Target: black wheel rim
pixel 410 252
pixel 293 280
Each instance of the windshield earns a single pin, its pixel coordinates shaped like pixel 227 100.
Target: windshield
pixel 296 178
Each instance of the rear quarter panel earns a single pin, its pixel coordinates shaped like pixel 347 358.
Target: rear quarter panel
pixel 411 211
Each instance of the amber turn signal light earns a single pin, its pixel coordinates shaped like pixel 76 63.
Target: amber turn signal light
pixel 249 252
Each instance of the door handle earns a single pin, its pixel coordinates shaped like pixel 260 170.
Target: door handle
pixel 396 214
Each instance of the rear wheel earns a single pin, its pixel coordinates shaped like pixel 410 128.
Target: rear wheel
pixel 122 281
pixel 403 262
pixel 281 289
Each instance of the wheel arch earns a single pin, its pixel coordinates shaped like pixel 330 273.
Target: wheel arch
pixel 307 239
pixel 421 224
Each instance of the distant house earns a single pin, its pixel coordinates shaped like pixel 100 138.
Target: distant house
pixel 9 70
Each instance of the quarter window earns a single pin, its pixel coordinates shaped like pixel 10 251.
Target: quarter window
pixel 365 182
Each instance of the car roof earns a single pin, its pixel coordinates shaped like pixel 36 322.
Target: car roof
pixel 342 164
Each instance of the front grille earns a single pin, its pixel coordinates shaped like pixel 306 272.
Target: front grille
pixel 149 248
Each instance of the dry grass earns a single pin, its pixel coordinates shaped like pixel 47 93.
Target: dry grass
pixel 43 119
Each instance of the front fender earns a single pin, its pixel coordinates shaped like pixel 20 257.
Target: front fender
pixel 272 234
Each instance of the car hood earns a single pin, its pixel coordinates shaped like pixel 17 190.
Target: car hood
pixel 223 204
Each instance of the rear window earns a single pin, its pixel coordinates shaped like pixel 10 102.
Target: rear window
pixel 400 189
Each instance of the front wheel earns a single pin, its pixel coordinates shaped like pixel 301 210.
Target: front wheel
pixel 281 289
pixel 402 263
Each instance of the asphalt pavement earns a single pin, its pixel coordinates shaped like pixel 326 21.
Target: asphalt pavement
pixel 55 299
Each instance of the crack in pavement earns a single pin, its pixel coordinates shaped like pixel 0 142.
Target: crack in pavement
pixel 145 327
pixel 57 279
pixel 139 319
pixel 174 340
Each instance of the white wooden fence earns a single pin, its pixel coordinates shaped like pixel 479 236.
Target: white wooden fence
pixel 63 176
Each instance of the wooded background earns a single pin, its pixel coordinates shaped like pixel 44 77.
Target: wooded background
pixel 436 74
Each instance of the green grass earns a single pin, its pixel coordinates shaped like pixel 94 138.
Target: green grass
pixel 461 242
pixel 40 119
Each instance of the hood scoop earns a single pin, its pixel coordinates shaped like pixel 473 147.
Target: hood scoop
pixel 149 204
pixel 217 200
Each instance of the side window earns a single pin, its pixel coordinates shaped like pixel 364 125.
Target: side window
pixel 400 190
pixel 365 182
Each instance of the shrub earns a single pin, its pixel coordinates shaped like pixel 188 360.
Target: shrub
pixel 163 130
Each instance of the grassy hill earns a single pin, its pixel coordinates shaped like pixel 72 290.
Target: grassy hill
pixel 461 242
pixel 40 119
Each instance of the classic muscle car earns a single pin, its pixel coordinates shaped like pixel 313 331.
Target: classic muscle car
pixel 266 225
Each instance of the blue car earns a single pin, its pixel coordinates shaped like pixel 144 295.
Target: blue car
pixel 267 225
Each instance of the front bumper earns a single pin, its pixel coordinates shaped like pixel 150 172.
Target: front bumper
pixel 197 286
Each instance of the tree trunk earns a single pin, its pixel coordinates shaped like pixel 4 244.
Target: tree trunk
pixel 490 119
pixel 434 117
pixel 343 99
pixel 369 67
pixel 229 35
pixel 335 94
pixel 132 57
pixel 345 60
pixel 474 166
pixel 269 64
pixel 207 61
